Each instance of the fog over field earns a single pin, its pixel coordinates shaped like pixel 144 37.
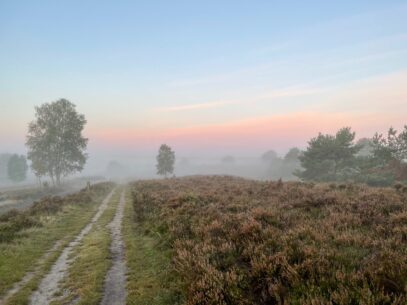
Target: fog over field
pixel 235 80
pixel 203 152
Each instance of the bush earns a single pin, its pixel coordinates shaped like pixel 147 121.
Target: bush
pixel 14 221
pixel 10 229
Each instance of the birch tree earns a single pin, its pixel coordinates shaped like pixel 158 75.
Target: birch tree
pixel 56 146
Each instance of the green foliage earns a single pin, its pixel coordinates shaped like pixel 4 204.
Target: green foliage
pixel 282 168
pixel 292 155
pixel 380 161
pixel 55 142
pixel 327 157
pixel 17 168
pixel 4 158
pixel 392 147
pixel 366 147
pixel 165 160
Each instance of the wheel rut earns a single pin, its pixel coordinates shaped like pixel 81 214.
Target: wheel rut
pixel 115 281
pixel 49 284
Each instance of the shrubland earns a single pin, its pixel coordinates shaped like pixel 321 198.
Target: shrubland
pixel 237 241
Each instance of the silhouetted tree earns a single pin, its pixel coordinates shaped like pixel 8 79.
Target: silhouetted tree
pixel 17 168
pixel 366 147
pixel 269 156
pixel 165 160
pixel 228 160
pixel 114 169
pixel 4 158
pixel 391 148
pixel 292 155
pixel 328 157
pixel 390 156
pixel 55 143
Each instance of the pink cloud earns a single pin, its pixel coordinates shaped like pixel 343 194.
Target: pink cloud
pixel 278 132
pixel 194 106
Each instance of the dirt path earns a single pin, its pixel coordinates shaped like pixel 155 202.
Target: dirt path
pixel 115 282
pixel 49 284
pixel 30 275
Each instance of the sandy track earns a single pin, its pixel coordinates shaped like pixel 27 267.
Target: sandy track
pixel 29 275
pixel 115 282
pixel 49 284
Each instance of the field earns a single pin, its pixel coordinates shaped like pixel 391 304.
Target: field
pixel 223 240
pixel 21 197
pixel 206 240
pixel 32 239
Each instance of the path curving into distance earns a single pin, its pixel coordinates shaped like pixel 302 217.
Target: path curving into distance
pixel 115 281
pixel 49 284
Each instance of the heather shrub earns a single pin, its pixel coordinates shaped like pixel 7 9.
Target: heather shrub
pixel 236 241
pixel 11 228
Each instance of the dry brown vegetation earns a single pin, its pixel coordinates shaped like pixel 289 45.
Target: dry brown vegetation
pixel 236 241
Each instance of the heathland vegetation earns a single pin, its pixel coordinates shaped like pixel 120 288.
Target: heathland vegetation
pixel 330 238
pixel 224 240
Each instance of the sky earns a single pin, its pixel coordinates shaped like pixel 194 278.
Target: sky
pixel 206 77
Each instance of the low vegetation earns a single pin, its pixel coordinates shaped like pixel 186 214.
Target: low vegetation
pixel 235 241
pixel 27 235
pixel 91 261
pixel 149 276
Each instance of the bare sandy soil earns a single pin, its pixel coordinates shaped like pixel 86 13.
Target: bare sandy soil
pixel 115 282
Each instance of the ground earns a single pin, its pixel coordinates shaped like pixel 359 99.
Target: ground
pixel 208 240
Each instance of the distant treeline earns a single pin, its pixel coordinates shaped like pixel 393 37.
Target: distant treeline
pixel 13 167
pixel 377 161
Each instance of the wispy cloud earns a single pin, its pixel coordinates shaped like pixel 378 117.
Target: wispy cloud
pixel 216 104
pixel 287 92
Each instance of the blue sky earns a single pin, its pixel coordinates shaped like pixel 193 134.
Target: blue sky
pixel 174 69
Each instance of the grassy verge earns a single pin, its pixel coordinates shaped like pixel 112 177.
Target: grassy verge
pixel 22 297
pixel 149 278
pixel 92 261
pixel 22 251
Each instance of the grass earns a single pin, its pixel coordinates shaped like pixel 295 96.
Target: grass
pixel 22 297
pixel 28 245
pixel 86 275
pixel 149 278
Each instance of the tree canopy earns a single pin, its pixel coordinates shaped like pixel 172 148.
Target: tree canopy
pixel 165 160
pixel 328 157
pixel 17 168
pixel 4 158
pixel 228 159
pixel 55 143
pixel 269 156
pixel 393 147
